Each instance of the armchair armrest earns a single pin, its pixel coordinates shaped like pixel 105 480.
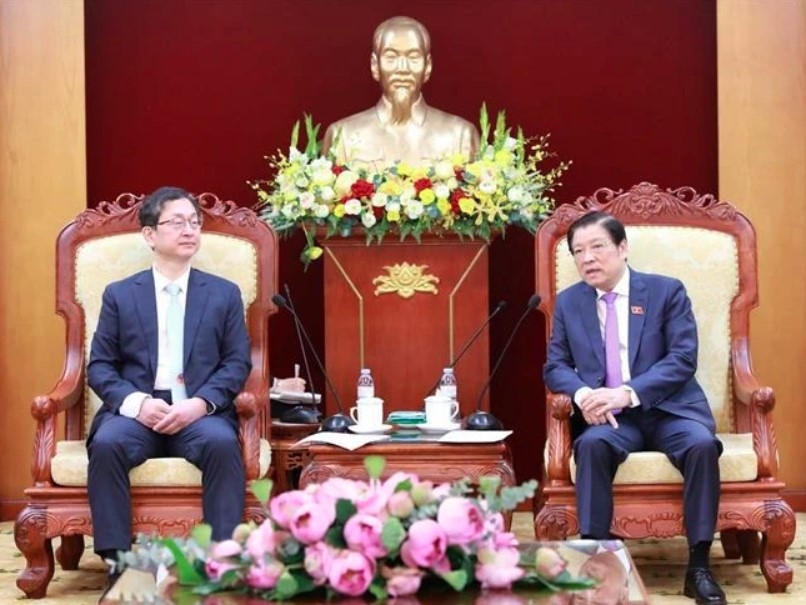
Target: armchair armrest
pixel 558 465
pixel 248 406
pixel 45 409
pixel 759 402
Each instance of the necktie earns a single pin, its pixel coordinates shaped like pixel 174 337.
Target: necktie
pixel 611 342
pixel 175 327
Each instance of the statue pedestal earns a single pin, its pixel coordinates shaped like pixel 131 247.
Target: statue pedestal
pixel 405 310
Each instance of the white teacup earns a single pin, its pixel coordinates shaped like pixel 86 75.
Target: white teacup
pixel 368 412
pixel 440 410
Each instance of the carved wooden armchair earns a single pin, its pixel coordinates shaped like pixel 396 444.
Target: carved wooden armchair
pixel 98 247
pixel 711 247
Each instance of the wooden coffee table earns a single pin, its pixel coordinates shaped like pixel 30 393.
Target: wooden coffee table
pixel 428 459
pixel 288 458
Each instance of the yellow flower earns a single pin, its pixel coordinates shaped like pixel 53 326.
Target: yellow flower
pixel 393 216
pixel 390 187
pixel 503 157
pixel 313 252
pixel 467 205
pixel 427 196
pixel 404 169
pixel 444 207
pixel 339 210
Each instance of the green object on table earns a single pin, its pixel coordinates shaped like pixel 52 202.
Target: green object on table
pixel 402 418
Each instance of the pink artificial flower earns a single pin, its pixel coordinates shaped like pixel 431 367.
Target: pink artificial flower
pixel 425 545
pixel 549 563
pixel 363 533
pixel 262 541
pixel 461 520
pixel 311 521
pixel 264 575
pixel 351 573
pixel 283 506
pixel 225 548
pixel 318 558
pixel 215 568
pixel 498 568
pixel 504 539
pixel 402 581
pixel 336 488
pixel 372 501
pixel 400 505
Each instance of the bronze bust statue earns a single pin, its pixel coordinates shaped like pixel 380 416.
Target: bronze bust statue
pixel 401 126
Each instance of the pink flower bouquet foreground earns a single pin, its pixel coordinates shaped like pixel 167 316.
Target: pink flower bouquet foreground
pixel 353 538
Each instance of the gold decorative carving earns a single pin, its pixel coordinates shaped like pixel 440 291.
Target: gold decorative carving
pixel 405 280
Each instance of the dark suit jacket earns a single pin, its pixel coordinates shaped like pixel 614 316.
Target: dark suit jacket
pixel 123 356
pixel 662 346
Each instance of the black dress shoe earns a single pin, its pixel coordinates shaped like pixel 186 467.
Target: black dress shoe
pixel 702 587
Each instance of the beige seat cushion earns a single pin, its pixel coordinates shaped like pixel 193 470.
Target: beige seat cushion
pixel 738 463
pixel 69 468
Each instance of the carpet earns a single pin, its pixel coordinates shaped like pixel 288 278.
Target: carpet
pixel 661 564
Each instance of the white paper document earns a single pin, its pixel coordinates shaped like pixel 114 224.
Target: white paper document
pixel 461 436
pixel 348 441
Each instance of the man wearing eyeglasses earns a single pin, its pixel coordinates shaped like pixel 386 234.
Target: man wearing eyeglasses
pixel 168 357
pixel 624 347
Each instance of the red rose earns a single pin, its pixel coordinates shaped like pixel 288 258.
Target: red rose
pixel 457 195
pixel 378 212
pixel 421 184
pixel 362 188
pixel 459 173
pixel 337 170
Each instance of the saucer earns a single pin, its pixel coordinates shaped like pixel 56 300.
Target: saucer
pixel 438 428
pixel 369 430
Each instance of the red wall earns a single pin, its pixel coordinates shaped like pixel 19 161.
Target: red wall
pixel 195 93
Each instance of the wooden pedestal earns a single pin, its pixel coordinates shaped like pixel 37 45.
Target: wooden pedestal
pixel 405 310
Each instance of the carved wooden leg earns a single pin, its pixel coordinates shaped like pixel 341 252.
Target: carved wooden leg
pixel 555 522
pixel 749 546
pixel 730 543
pixel 774 543
pixel 69 553
pixel 30 536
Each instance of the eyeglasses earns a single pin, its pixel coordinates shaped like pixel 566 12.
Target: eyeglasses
pixel 596 250
pixel 178 223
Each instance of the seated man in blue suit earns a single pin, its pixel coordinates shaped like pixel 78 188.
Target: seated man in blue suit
pixel 168 357
pixel 624 347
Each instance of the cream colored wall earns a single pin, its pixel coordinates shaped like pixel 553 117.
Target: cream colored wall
pixel 42 185
pixel 762 170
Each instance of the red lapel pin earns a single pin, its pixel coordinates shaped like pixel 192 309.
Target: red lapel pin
pixel 637 310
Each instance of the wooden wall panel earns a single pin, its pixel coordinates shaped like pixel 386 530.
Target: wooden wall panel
pixel 42 185
pixel 762 169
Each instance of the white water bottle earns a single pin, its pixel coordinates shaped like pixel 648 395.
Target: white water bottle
pixel 447 384
pixel 366 385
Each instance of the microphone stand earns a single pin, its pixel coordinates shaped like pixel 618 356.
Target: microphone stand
pixel 498 308
pixel 301 344
pixel 485 421
pixel 337 423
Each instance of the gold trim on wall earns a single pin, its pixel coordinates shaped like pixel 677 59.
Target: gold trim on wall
pixel 405 280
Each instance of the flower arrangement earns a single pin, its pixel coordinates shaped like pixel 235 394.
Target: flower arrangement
pixel 352 538
pixel 501 186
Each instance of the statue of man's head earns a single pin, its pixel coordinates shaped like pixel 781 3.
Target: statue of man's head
pixel 401 63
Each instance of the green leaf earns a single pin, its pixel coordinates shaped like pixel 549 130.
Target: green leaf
pixel 295 134
pixel 335 537
pixel 261 489
pixel 378 589
pixel 344 510
pixel 202 534
pixel 186 572
pixel 374 466
pixel 286 586
pixel 392 534
pixel 404 486
pixel 457 579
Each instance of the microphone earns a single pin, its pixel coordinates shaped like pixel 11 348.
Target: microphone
pixel 485 421
pixel 498 308
pixel 336 423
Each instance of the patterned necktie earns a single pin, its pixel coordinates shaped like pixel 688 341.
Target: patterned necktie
pixel 175 327
pixel 612 348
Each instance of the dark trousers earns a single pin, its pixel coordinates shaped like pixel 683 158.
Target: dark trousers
pixel 690 447
pixel 121 443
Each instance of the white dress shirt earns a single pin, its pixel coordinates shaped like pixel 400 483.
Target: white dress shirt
pixel 163 380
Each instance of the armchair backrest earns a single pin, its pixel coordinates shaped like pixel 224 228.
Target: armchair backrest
pixel 707 244
pixel 104 245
